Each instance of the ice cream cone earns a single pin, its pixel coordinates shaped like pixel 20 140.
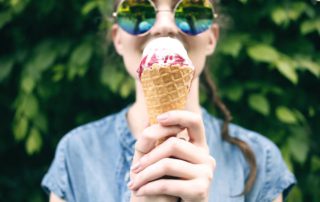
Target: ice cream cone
pixel 165 88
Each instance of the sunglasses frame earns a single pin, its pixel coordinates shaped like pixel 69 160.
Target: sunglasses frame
pixel 115 15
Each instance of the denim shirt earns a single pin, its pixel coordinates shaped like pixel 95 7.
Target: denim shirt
pixel 92 163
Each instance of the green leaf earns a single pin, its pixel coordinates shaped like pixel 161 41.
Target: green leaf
pixel 312 67
pixel 40 120
pixel 63 47
pixel 300 117
pixel 88 7
pixel 14 3
pixel 6 65
pixel 58 72
pixel 126 88
pixel 111 78
pixel 234 93
pixel 232 44
pixel 279 16
pixel 243 1
pixel 80 57
pixel 18 5
pixel 286 115
pixel 5 17
pixel 28 84
pixel 34 141
pixel 311 112
pixel 310 26
pixel 287 69
pixel 81 54
pixel 282 15
pixel 299 149
pixel 28 105
pixel 315 164
pixel 20 128
pixel 296 10
pixel 259 103
pixel 263 53
pixel 295 195
pixel 44 58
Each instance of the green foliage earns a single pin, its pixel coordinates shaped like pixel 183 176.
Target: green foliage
pixel 57 71
pixel 267 68
pixel 259 103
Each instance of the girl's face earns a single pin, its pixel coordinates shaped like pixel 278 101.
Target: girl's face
pixel 130 47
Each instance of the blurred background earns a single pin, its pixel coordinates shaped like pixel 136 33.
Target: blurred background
pixel 58 71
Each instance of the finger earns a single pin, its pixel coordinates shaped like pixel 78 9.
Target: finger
pixel 152 134
pixel 192 121
pixel 185 189
pixel 136 158
pixel 174 147
pixel 170 167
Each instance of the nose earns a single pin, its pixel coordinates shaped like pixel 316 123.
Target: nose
pixel 165 24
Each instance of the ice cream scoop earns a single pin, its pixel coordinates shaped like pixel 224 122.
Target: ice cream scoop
pixel 164 51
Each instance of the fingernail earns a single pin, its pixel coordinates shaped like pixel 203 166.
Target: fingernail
pixel 130 184
pixel 135 166
pixel 162 117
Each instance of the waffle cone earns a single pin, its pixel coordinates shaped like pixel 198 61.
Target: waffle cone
pixel 165 88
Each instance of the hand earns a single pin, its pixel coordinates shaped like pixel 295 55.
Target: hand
pixel 137 155
pixel 188 162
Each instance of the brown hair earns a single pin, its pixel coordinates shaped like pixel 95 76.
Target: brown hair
pixel 243 146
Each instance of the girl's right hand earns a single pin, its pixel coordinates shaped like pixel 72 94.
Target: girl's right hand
pixel 188 161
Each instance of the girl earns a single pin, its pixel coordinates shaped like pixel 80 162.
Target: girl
pixel 115 158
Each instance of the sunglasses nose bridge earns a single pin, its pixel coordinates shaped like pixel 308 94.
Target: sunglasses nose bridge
pixel 164 24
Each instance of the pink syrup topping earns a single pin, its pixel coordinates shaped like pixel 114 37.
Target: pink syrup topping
pixel 164 51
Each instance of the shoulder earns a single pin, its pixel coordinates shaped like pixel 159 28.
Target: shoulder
pixel 257 142
pixel 273 176
pixel 83 153
pixel 261 145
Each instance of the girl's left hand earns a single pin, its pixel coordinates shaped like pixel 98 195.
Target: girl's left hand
pixel 189 162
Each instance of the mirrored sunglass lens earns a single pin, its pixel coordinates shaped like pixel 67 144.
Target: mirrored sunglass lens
pixel 194 17
pixel 136 17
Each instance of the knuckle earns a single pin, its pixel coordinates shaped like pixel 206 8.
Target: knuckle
pixel 163 188
pixel 196 119
pixel 174 145
pixel 210 175
pixel 166 165
pixel 202 190
pixel 140 177
pixel 200 193
pixel 207 173
pixel 147 135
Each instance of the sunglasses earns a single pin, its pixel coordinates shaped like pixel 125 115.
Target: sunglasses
pixel 192 17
